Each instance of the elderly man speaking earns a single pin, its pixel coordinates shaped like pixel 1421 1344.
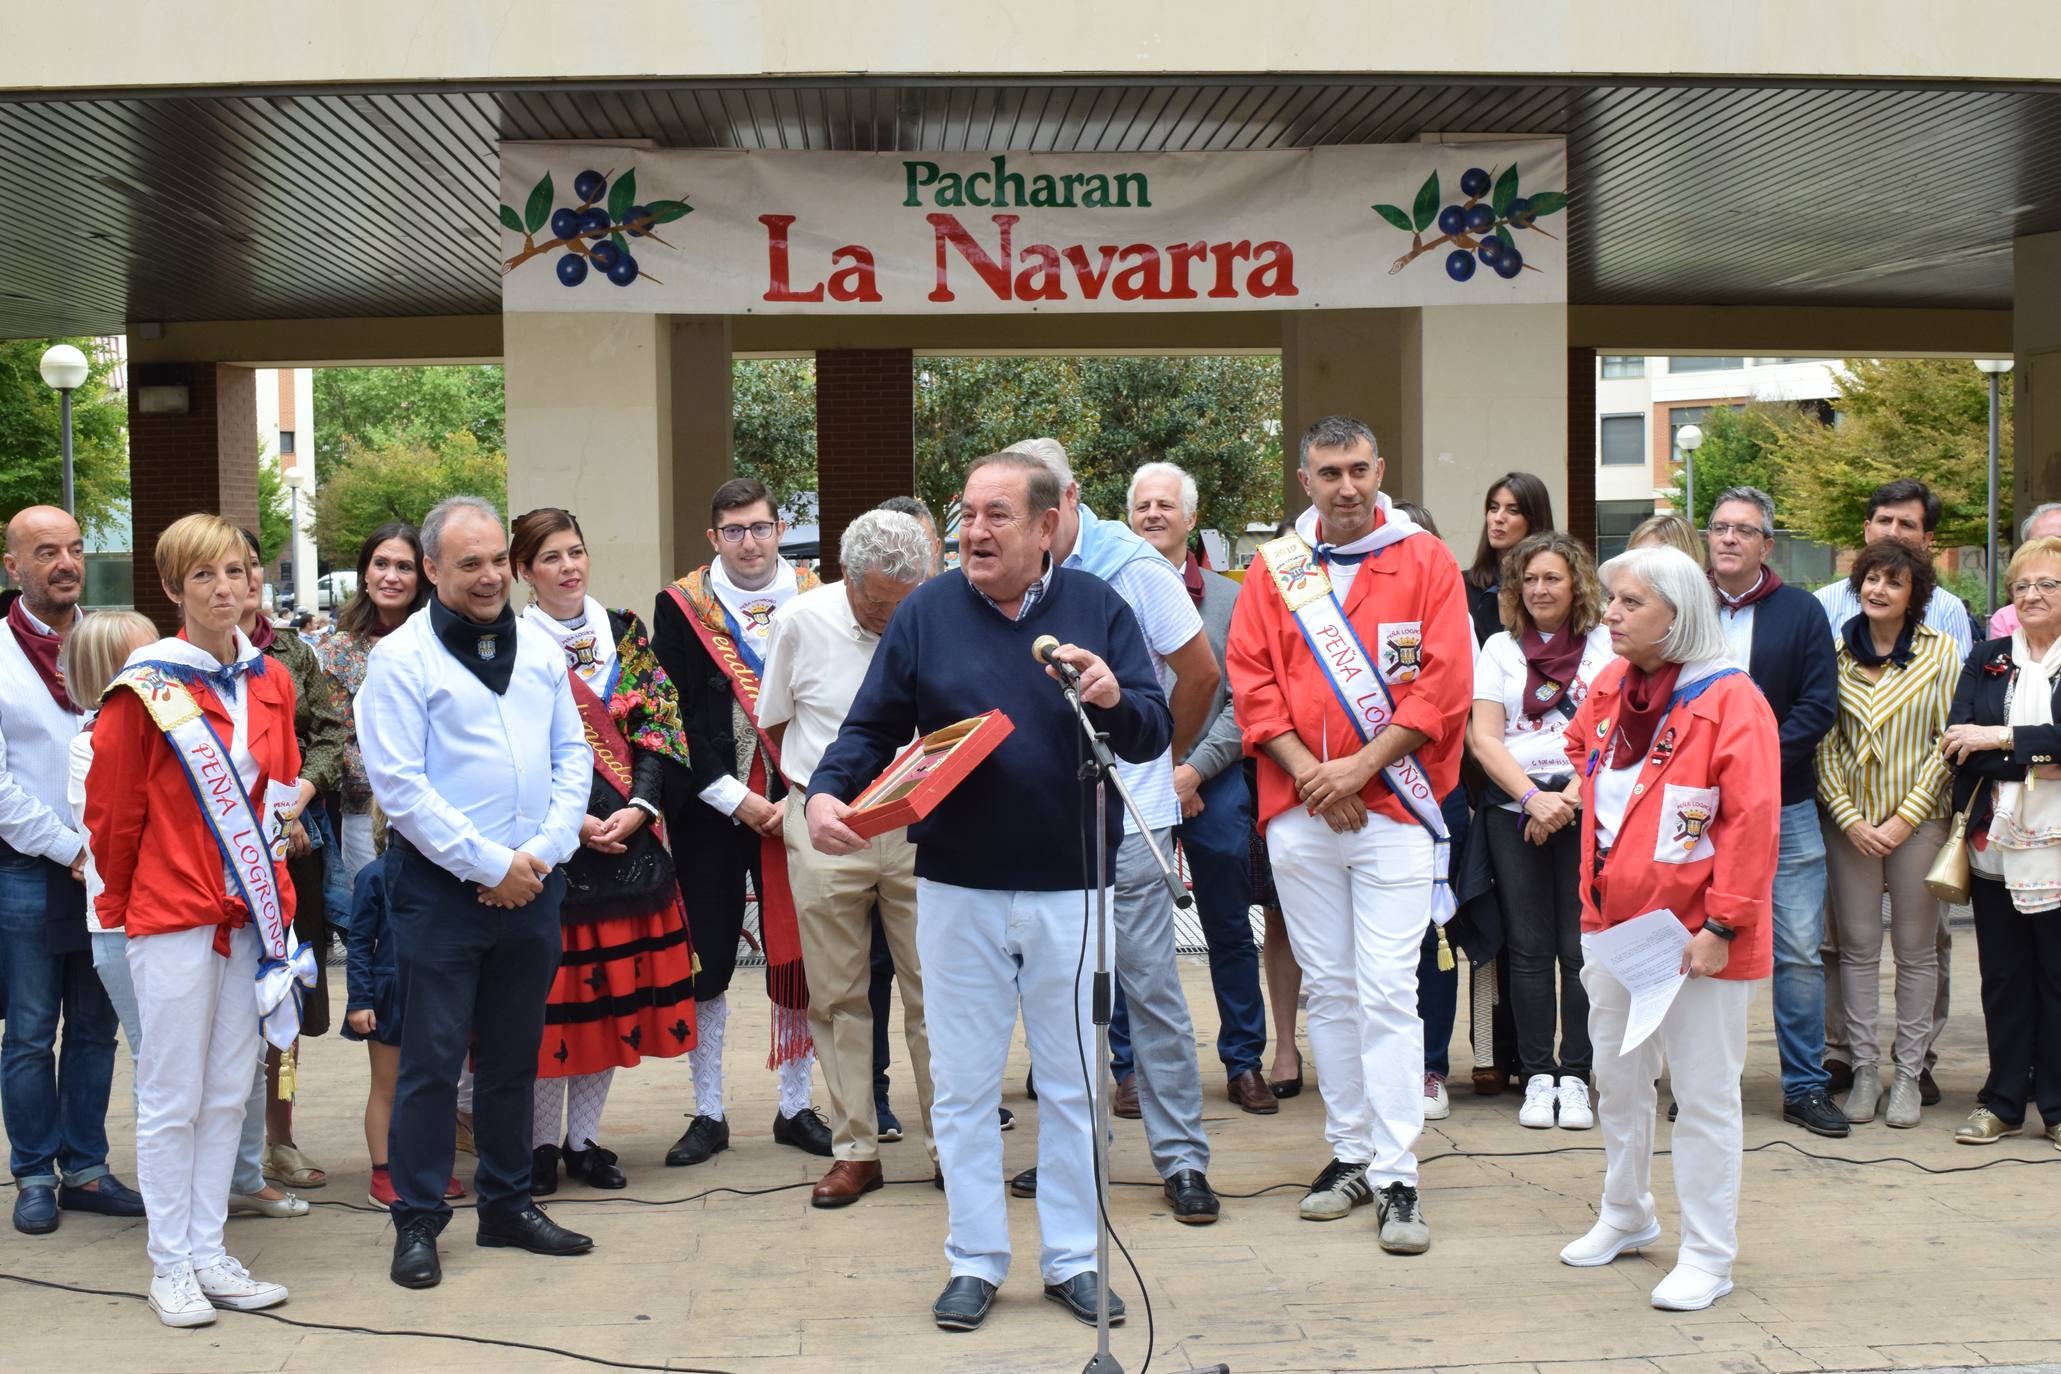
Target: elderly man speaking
pixel 1001 893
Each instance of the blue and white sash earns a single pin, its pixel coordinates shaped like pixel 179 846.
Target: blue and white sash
pixel 250 847
pixel 1362 691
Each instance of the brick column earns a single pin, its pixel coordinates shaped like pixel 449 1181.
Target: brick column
pixel 865 435
pixel 1579 519
pixel 204 460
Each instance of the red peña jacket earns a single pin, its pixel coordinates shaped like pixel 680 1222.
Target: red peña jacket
pixel 153 848
pixel 1409 607
pixel 1704 826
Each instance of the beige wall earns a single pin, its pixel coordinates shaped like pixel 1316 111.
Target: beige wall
pixel 1494 395
pixel 232 42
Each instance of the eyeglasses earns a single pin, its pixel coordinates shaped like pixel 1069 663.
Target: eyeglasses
pixel 757 529
pixel 1724 527
pixel 2045 586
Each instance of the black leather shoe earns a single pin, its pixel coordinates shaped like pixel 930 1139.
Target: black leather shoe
pixel 1195 1204
pixel 1815 1112
pixel 113 1198
pixel 595 1167
pixel 964 1304
pixel 805 1130
pixel 1840 1074
pixel 35 1209
pixel 1928 1090
pixel 1077 1295
pixel 705 1136
pixel 530 1230
pixel 1025 1184
pixel 415 1256
pixel 544 1171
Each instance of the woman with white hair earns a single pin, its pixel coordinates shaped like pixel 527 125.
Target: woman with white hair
pixel 1681 795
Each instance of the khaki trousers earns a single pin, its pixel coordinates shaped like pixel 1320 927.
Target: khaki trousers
pixel 1856 882
pixel 834 896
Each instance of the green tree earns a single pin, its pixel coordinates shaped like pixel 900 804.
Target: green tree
pixel 401 482
pixel 274 518
pixel 1926 418
pixel 31 430
pixel 773 423
pixel 1740 449
pixel 381 407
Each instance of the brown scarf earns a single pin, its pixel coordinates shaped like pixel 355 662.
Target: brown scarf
pixel 262 633
pixel 1191 577
pixel 1762 590
pixel 1550 667
pixel 1643 702
pixel 41 649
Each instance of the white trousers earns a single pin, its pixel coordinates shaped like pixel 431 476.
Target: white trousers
pixel 1702 1042
pixel 193 1074
pixel 984 954
pixel 1355 906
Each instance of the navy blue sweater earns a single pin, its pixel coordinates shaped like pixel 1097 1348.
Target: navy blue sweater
pixel 1796 670
pixel 1016 822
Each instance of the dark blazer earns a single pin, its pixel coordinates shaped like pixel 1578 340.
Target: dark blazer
pixel 1979 700
pixel 1796 669
pixel 705 701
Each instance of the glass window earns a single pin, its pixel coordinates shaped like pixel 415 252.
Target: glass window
pixel 1621 365
pixel 1624 441
pixel 1615 521
pixel 1704 364
pixel 285 442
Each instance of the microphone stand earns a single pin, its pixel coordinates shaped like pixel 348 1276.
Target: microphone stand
pixel 1100 765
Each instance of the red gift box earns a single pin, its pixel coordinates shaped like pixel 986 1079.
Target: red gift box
pixel 923 774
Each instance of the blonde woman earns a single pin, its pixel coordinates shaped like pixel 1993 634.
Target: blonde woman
pixel 1668 531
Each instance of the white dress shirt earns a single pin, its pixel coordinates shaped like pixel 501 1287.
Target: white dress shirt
pixel 35 743
pixel 751 610
pixel 469 777
pixel 815 660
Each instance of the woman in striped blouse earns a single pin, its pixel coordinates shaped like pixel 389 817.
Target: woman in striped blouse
pixel 1882 781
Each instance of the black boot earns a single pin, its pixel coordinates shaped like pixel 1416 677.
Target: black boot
pixel 544 1171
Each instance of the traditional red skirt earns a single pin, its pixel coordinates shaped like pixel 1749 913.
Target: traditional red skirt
pixel 624 992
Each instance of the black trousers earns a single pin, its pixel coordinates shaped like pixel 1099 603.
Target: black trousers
pixel 2020 959
pixel 470 977
pixel 1539 889
pixel 713 856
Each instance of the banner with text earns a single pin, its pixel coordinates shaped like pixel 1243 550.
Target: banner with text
pixel 663 231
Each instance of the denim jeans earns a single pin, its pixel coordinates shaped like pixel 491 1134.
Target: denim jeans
pixel 1438 1001
pixel 1799 970
pixel 53 1097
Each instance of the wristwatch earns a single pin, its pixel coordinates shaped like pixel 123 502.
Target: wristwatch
pixel 2004 738
pixel 1720 929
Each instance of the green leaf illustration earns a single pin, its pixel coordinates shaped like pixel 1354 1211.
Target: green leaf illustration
pixel 537 211
pixel 1548 203
pixel 1396 217
pixel 511 219
pixel 622 196
pixel 1426 208
pixel 1503 233
pixel 666 211
pixel 622 245
pixel 1505 192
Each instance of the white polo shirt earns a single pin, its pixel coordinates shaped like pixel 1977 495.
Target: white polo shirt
pixel 816 658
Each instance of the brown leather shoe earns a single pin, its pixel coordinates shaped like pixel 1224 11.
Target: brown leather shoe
pixel 847 1181
pixel 1125 1103
pixel 1249 1091
pixel 1488 1082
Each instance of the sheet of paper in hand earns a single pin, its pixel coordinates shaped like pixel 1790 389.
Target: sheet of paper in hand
pixel 1644 954
pixel 923 774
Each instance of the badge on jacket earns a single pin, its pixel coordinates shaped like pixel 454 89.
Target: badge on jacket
pixel 1402 647
pixel 1686 815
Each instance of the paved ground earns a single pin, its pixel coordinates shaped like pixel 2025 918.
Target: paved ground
pixel 1845 1265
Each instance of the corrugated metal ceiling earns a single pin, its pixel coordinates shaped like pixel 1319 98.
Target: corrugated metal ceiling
pixel 303 205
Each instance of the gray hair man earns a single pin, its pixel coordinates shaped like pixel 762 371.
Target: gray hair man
pixel 822 643
pixel 1777 633
pixel 1166 1089
pixel 1216 807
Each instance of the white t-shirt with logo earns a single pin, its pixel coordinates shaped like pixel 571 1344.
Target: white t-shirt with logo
pixel 1537 743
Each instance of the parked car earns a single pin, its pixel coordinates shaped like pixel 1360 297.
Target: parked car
pixel 333 589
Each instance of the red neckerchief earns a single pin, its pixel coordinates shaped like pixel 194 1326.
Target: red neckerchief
pixel 263 633
pixel 1549 666
pixel 1191 577
pixel 1762 590
pixel 1644 697
pixel 41 648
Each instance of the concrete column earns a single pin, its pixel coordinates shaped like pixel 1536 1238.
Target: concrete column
pixel 590 429
pixel 701 431
pixel 1493 392
pixel 203 460
pixel 2036 331
pixel 1347 362
pixel 865 435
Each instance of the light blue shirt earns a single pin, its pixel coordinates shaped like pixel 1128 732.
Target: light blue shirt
pixel 1944 612
pixel 467 776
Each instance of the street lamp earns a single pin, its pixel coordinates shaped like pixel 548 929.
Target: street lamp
pixel 1688 439
pixel 295 479
pixel 64 371
pixel 1994 369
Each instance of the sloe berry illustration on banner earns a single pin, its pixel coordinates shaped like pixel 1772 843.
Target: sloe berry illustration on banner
pixel 1021 233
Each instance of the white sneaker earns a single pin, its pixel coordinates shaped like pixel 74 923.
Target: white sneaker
pixel 1437 1106
pixel 177 1299
pixel 225 1283
pixel 1575 1114
pixel 1689 1289
pixel 1605 1243
pixel 1336 1191
pixel 1539 1097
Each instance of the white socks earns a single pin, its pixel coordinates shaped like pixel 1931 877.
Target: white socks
pixel 587 1094
pixel 706 1058
pixel 794 1084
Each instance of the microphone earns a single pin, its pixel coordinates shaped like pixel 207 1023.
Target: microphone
pixel 1042 649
